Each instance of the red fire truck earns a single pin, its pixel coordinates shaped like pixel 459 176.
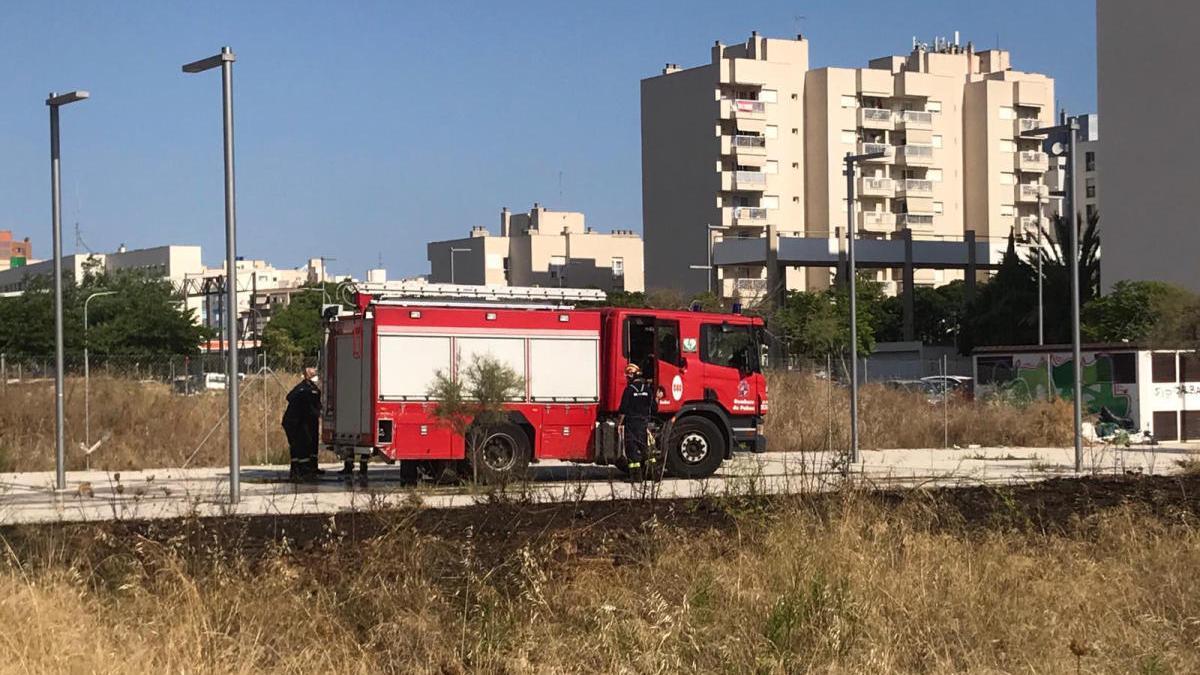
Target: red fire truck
pixel 381 359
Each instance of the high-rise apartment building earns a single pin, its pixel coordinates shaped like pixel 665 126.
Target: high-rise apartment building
pixel 752 145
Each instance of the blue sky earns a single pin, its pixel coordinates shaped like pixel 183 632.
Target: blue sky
pixel 365 129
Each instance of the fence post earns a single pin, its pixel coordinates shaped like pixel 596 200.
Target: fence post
pixel 945 406
pixel 3 371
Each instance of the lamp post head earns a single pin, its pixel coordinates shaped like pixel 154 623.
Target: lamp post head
pixel 211 62
pixel 55 100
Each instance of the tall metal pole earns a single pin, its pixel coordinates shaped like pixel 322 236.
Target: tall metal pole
pixel 55 101
pixel 1041 312
pixel 853 272
pixel 225 60
pixel 231 311
pixel 1076 358
pixel 60 454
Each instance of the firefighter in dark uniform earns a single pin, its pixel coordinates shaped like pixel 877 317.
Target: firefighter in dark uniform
pixel 638 405
pixel 301 423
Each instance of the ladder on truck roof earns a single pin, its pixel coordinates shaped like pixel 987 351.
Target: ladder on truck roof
pixel 415 292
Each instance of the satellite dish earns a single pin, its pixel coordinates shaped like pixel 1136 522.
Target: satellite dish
pixel 1057 148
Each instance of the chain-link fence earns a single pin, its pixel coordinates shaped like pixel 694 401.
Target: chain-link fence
pixel 133 412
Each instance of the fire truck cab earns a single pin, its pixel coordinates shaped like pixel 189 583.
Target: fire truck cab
pixel 382 358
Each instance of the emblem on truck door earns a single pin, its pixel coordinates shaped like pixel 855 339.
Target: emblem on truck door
pixel 677 388
pixel 689 344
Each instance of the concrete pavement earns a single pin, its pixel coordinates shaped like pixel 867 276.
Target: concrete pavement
pixel 171 493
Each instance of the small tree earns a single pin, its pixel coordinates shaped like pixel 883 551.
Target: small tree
pixel 475 401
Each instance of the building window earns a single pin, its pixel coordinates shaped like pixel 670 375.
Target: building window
pixel 771 166
pixel 769 202
pixel 1189 368
pixel 849 101
pixel 618 267
pixel 795 165
pixel 1090 188
pixel 938 207
pixel 795 97
pixel 1089 160
pixel 1007 211
pixel 795 200
pixel 1007 113
pixel 936 140
pixel 933 106
pixel 795 131
pixel 934 175
pixel 1162 368
pixel 768 96
pixel 1091 211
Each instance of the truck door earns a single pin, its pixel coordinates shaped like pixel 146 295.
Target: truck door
pixel 732 370
pixel 653 345
pixel 668 375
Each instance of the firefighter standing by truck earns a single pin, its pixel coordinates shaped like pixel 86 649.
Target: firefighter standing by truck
pixel 638 405
pixel 301 423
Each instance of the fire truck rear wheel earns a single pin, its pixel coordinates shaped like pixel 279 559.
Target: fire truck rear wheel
pixel 502 455
pixel 696 448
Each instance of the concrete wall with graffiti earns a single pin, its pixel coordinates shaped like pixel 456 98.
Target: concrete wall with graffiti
pixel 1110 379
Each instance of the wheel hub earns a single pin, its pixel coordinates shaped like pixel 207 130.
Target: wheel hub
pixel 499 452
pixel 693 448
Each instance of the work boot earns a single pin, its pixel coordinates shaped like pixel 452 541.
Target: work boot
pixel 653 472
pixel 635 472
pixel 301 475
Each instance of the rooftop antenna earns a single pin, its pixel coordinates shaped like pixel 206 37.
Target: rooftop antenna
pixel 79 242
pixel 796 20
pixel 381 259
pixel 560 197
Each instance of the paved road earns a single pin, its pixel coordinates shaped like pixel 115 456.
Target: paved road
pixel 168 493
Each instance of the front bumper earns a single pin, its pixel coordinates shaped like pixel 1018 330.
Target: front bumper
pixel 750 437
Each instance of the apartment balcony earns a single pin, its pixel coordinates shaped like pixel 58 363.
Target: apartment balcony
pixel 916 155
pixel 915 221
pixel 749 215
pixel 1028 225
pixel 875 118
pixel 1031 193
pixel 740 108
pixel 754 181
pixel 914 187
pixel 1024 124
pixel 748 145
pixel 867 148
pixel 876 187
pixel 1033 161
pixel 916 119
pixel 876 221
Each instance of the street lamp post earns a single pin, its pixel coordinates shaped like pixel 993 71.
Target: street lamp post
pixel 87 375
pixel 851 161
pixel 709 266
pixel 1063 142
pixel 225 60
pixel 56 101
pixel 454 250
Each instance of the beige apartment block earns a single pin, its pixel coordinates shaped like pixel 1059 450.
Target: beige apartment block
pixel 723 156
pixel 541 248
pixel 949 116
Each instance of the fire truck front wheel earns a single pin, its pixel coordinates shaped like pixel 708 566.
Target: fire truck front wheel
pixel 500 454
pixel 696 448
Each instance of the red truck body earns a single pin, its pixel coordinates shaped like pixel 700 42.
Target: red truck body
pixel 381 359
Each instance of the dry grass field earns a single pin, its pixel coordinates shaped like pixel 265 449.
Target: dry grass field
pixel 1087 576
pixel 149 426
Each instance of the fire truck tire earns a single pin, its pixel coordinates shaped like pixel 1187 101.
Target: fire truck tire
pixel 695 449
pixel 502 455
